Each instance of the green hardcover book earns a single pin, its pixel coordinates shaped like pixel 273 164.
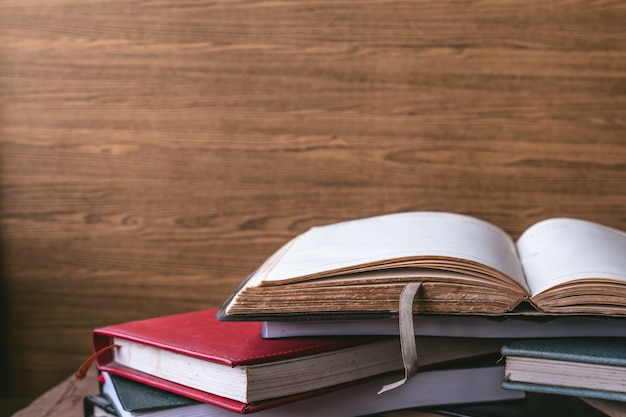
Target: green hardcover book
pixel 594 368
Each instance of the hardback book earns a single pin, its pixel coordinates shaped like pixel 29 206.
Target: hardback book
pixel 577 367
pixel 558 266
pixel 452 325
pixel 230 365
pixel 123 397
pixel 433 387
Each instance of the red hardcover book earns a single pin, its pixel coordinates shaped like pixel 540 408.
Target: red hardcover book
pixel 230 365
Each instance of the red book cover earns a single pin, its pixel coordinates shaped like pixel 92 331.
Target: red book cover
pixel 200 335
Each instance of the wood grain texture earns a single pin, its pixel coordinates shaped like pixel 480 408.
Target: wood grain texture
pixel 154 152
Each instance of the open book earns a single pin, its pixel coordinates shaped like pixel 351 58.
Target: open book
pixel 465 266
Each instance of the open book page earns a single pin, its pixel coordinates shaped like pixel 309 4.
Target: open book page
pixel 558 250
pixel 399 236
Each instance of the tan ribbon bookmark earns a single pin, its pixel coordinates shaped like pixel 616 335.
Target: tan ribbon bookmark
pixel 407 335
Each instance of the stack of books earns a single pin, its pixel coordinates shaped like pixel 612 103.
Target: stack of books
pixel 386 313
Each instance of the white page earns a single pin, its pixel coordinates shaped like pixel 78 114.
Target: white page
pixel 399 235
pixel 558 250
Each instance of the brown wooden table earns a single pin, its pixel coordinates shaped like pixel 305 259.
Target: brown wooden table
pixel 64 400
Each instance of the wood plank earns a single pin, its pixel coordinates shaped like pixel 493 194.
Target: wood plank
pixel 153 153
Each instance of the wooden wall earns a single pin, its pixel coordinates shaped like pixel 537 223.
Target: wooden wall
pixel 154 152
